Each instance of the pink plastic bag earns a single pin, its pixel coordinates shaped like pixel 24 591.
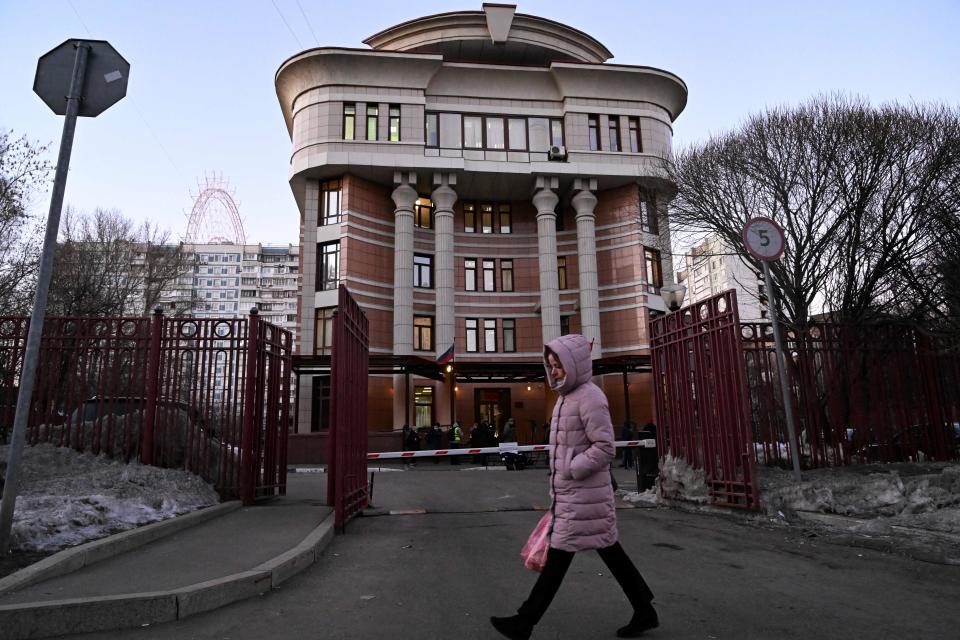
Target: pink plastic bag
pixel 534 552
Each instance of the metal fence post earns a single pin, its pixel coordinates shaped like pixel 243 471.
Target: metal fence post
pixel 153 382
pixel 247 462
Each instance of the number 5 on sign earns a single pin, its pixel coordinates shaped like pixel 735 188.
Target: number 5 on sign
pixel 764 239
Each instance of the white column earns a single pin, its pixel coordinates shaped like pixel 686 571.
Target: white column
pixel 545 200
pixel 584 204
pixel 404 197
pixel 443 197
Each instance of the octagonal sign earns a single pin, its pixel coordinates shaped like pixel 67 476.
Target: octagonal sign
pixel 105 80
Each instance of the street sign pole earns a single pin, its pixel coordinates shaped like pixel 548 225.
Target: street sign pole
pixel 782 365
pixel 31 355
pixel 765 241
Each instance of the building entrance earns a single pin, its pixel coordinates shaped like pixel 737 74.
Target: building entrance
pixel 492 406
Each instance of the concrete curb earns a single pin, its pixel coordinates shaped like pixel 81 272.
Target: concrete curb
pixel 106 613
pixel 74 558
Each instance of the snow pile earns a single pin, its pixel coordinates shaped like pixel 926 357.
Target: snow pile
pixel 921 496
pixel 680 481
pixel 67 498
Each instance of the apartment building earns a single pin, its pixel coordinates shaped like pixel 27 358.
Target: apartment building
pixel 482 182
pixel 712 267
pixel 227 280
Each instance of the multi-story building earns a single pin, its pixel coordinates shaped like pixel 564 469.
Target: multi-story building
pixel 481 180
pixel 227 280
pixel 712 267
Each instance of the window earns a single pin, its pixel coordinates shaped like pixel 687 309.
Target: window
pixel 472 337
pixel 564 325
pixel 394 123
pixel 486 218
pixel 506 218
pixel 593 126
pixel 506 275
pixel 648 216
pixel 495 133
pixel 652 260
pixel 349 120
pixel 422 333
pixel 372 115
pixel 556 132
pixel 423 213
pixel 490 335
pixel 470 274
pixel 329 203
pixel 432 131
pixel 562 272
pixel 539 129
pixel 472 132
pixel 423 406
pixel 635 135
pixel 517 134
pixel 422 271
pixel 450 130
pixel 328 266
pixel 323 339
pixel 469 218
pixel 613 124
pixel 509 336
pixel 488 283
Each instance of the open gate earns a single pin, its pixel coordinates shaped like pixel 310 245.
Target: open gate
pixel 699 385
pixel 347 490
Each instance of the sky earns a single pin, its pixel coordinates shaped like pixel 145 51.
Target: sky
pixel 201 103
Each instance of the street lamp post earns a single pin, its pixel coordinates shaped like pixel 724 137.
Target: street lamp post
pixel 673 295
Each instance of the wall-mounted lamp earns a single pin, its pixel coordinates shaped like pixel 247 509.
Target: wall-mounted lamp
pixel 449 368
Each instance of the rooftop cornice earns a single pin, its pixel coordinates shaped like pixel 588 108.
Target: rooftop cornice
pixel 470 36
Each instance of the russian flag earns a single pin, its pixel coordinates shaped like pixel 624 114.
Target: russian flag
pixel 446 357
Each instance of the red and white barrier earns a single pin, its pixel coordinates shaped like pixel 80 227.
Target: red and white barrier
pixel 507 447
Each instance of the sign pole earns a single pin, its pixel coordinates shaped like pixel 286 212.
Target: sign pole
pixel 782 365
pixel 765 241
pixel 31 355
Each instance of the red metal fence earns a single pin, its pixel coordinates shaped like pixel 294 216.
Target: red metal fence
pixel 174 392
pixel 881 392
pixel 701 408
pixel 347 488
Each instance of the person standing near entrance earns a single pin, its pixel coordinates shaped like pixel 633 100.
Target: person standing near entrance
pixel 456 437
pixel 582 503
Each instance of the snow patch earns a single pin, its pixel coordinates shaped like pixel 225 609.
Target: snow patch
pixel 924 496
pixel 680 481
pixel 67 498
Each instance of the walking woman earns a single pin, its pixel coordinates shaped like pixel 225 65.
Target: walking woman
pixel 582 497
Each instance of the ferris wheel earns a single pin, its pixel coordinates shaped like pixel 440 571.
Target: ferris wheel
pixel 215 217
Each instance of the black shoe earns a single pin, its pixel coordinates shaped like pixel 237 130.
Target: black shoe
pixel 513 627
pixel 642 620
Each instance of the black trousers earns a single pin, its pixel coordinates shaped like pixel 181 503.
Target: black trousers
pixel 547 585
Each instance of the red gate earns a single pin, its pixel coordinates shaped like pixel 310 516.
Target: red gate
pixel 347 489
pixel 698 387
pixel 174 392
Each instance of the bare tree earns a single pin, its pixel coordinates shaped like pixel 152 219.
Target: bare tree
pixel 857 189
pixel 23 170
pixel 108 266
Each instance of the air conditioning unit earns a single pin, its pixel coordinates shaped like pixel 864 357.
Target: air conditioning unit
pixel 557 153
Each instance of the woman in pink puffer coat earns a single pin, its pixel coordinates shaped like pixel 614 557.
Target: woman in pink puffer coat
pixel 584 516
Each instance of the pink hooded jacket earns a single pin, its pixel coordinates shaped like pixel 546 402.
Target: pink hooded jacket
pixel 582 437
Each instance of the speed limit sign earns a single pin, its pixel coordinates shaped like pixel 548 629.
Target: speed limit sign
pixel 764 239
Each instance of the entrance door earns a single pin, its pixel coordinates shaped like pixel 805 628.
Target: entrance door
pixel 492 406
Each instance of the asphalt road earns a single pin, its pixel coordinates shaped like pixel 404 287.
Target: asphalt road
pixel 442 573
